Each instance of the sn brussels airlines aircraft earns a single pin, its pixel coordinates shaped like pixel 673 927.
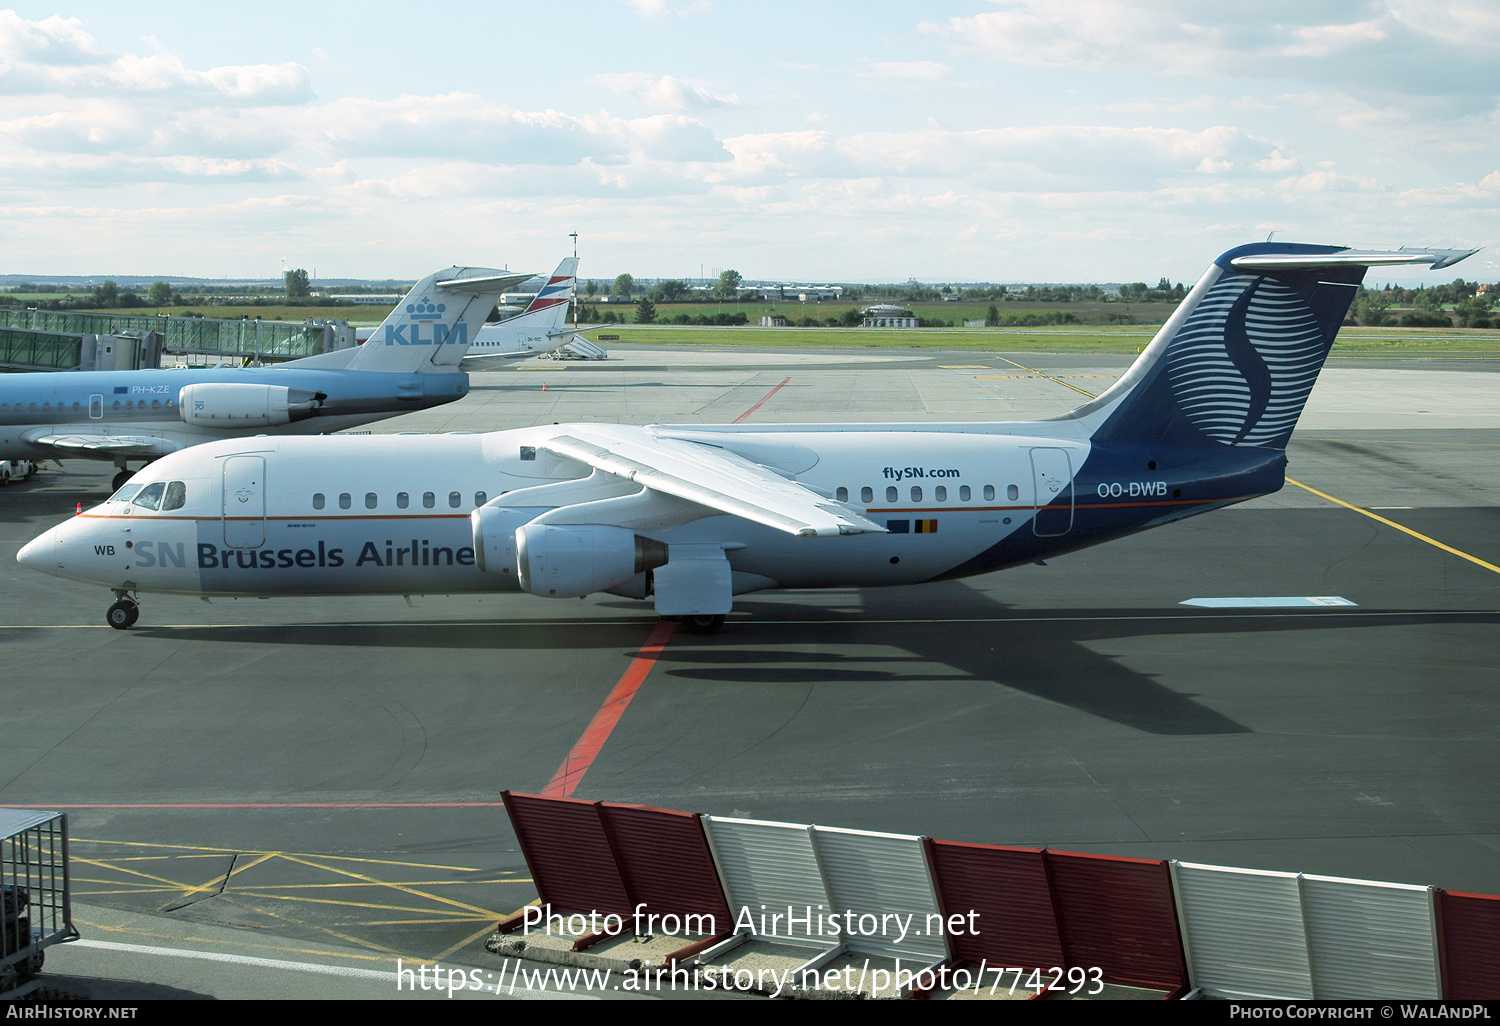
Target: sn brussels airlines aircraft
pixel 693 516
pixel 410 363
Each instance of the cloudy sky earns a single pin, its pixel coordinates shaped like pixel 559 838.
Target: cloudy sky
pixel 997 140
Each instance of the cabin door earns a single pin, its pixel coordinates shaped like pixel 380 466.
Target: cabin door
pixel 245 502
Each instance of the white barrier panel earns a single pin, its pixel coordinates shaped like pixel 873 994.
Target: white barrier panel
pixel 1242 930
pixel 1371 940
pixel 882 892
pixel 770 873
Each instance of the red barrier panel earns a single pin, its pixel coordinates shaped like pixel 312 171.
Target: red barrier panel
pixel 1006 890
pixel 569 855
pixel 591 857
pixel 1469 945
pixel 664 859
pixel 1118 914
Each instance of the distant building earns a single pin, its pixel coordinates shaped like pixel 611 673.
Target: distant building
pixel 884 315
pixel 770 321
pixel 390 300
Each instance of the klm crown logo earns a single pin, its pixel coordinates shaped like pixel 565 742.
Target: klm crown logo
pixel 424 311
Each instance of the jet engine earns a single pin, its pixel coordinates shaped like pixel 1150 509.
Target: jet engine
pixel 566 561
pixel 237 404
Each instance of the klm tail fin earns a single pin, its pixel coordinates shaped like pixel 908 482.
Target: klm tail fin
pixel 1235 363
pixel 431 328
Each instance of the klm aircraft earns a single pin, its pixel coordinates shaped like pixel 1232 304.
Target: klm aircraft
pixel 540 328
pixel 690 516
pixel 410 362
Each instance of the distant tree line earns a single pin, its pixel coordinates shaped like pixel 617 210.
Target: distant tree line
pixel 1442 306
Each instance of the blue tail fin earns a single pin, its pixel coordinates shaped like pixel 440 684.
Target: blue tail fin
pixel 1235 363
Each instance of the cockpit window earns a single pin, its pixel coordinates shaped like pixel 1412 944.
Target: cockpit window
pixel 176 496
pixel 150 496
pixel 126 493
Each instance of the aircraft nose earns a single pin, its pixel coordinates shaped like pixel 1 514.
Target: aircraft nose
pixel 41 553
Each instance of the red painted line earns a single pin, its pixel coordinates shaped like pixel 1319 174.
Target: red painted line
pixel 565 781
pixel 763 398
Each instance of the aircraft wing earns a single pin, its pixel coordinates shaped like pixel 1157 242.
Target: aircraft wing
pixel 114 445
pixel 710 477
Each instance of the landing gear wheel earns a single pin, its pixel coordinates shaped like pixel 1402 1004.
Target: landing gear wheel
pixel 123 476
pixel 29 968
pixel 122 615
pixel 702 624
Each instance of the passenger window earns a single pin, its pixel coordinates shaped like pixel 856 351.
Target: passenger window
pixel 479 499
pixel 371 500
pixel 890 494
pixel 989 492
pixel 867 494
pixel 528 452
pixel 317 500
pixel 150 496
pixel 454 500
pixel 176 495
pixel 403 500
pixel 345 500
pixel 1012 492
pixel 841 494
pixel 964 493
pixel 916 494
pixel 429 500
pixel 940 493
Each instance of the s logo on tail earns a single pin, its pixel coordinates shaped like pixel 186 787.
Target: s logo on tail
pixel 1241 375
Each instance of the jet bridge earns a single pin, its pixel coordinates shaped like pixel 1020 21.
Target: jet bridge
pixel 34 339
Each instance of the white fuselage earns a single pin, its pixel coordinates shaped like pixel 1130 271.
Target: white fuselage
pixel 391 514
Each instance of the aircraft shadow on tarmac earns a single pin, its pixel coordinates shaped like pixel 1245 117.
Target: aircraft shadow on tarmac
pixel 1041 652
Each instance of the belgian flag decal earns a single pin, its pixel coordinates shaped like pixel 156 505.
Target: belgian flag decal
pixel 926 526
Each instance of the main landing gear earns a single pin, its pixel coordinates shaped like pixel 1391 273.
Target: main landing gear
pixel 702 624
pixel 124 613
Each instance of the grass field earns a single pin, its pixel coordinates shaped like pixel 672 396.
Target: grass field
pixel 1098 339
pixel 1103 338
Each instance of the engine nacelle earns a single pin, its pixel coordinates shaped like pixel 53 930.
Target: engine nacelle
pixel 494 529
pixel 566 561
pixel 244 404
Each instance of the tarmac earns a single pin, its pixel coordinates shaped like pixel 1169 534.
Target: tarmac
pixel 255 787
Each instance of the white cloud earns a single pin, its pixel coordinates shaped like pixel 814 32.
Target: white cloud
pixel 658 8
pixel 1386 46
pixel 665 91
pixel 921 70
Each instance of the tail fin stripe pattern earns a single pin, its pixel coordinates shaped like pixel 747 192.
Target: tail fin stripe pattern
pixel 1243 365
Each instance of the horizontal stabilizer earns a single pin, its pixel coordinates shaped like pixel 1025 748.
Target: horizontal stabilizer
pixel 1435 258
pixel 489 283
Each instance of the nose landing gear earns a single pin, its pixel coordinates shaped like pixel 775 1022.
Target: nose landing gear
pixel 124 613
